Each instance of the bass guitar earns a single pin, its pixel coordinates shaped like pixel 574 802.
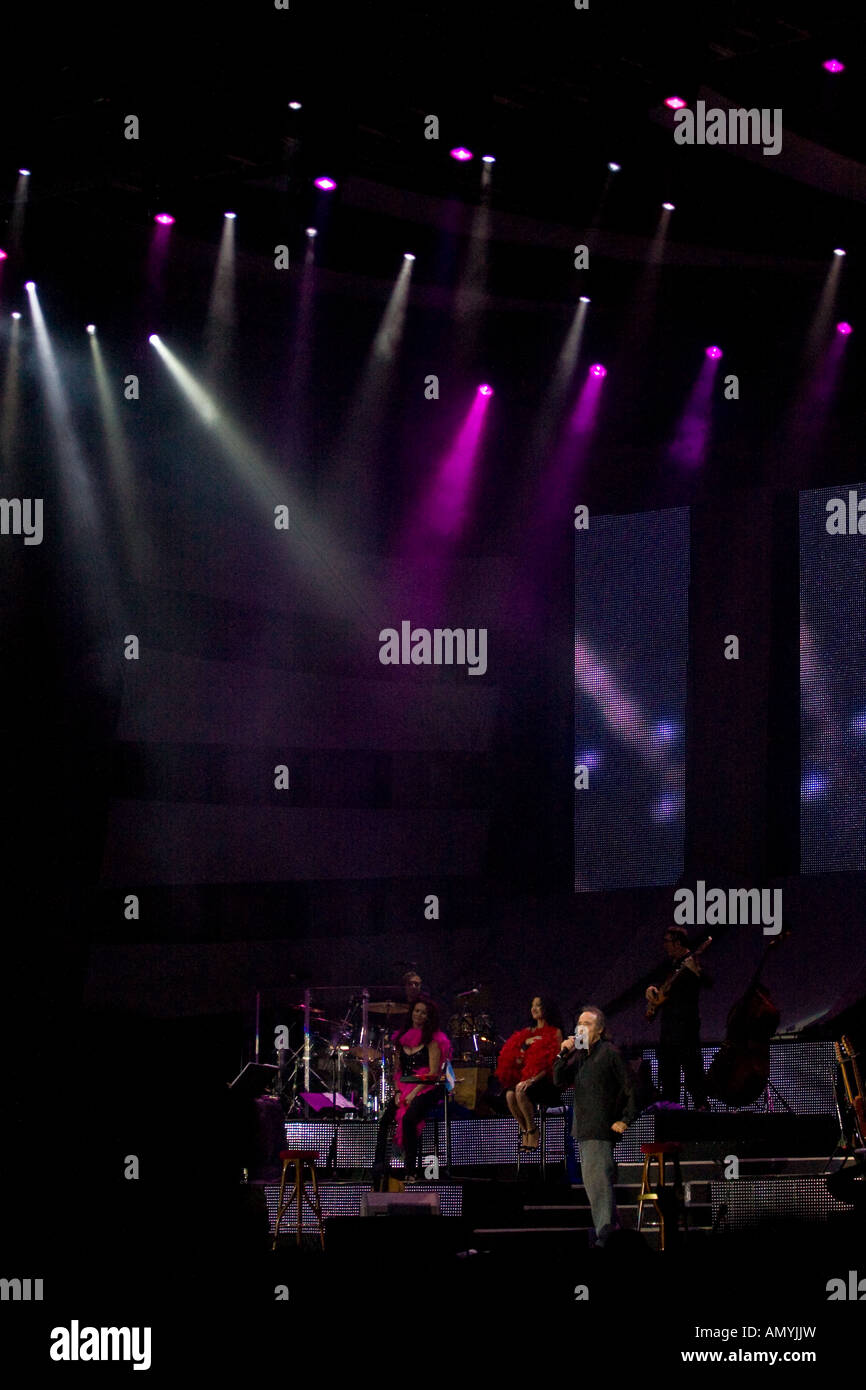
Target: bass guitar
pixel 654 1005
pixel 856 1120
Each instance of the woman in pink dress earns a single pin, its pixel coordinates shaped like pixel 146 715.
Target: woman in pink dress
pixel 422 1051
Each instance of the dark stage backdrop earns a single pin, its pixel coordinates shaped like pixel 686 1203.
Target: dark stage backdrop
pixel 631 596
pixel 428 812
pixel 833 679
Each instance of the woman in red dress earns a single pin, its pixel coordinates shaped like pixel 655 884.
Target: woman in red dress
pixel 525 1068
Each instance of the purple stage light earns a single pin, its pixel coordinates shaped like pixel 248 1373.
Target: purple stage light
pixel 833 65
pixel 590 758
pixel 164 219
pixel 713 352
pixel 154 338
pixel 3 254
pixel 666 808
pixel 844 328
pixel 326 184
pixel 488 159
pixel 668 207
pixel 25 172
pixel 485 390
pixel 91 328
pixel 597 370
pixel 675 103
pixel 230 215
pixel 837 251
pixel 584 299
pixel 408 256
pixel 294 106
pixel 460 152
pixel 30 284
pixel 311 231
pixel 16 314
pixel 666 731
pixel 812 786
pixel 614 167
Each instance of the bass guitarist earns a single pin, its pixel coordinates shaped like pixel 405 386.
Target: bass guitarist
pixel 679 1047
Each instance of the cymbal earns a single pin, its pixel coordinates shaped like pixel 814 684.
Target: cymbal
pixel 387 1006
pixel 366 1054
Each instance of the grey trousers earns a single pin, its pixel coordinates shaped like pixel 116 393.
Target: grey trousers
pixel 598 1171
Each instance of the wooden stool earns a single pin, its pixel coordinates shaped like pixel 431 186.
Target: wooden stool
pixel 659 1196
pixel 301 1158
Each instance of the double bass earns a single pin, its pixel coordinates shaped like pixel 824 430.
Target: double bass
pixel 740 1070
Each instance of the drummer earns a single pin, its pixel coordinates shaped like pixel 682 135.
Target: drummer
pixel 413 988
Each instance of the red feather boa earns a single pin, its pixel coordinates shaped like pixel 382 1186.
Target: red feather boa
pixel 538 1059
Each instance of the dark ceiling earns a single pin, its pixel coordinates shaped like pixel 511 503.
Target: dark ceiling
pixel 552 91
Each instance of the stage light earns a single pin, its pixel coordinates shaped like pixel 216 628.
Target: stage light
pixel 597 370
pixel 844 328
pixel 666 808
pixel 3 254
pixel 668 207
pixel 837 251
pixel 485 390
pixel 833 65
pixel 459 152
pixel 30 284
pixel 812 786
pixel 230 215
pixel 294 105
pixel 488 159
pixel 154 338
pixel 25 173
pixel 16 314
pixel 408 256
pixel 675 103
pixel 590 757
pixel 713 352
pixel 91 328
pixel 326 184
pixel 311 231
pixel 614 167
pixel 164 219
pixel 584 299
pixel 666 731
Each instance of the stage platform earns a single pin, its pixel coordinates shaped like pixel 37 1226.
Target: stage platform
pixel 742 1170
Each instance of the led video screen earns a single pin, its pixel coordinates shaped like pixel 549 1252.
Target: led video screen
pixel 631 594
pixel 833 679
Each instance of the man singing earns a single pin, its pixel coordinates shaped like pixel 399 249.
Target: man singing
pixel 604 1107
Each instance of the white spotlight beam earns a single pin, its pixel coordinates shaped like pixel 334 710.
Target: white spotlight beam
pixel 337 580
pixel 83 522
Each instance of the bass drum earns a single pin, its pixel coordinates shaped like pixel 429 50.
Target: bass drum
pixel 473 1038
pixel 337 1069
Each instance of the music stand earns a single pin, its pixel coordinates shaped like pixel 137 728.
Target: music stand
pixel 255 1080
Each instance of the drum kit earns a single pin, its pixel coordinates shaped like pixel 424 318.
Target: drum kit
pixel 351 1058
pixel 349 1063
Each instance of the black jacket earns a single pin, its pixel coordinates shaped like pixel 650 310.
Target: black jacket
pixel 603 1090
pixel 680 1017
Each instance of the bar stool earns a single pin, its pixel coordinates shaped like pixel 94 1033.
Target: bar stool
pixel 555 1108
pixel 664 1199
pixel 301 1158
